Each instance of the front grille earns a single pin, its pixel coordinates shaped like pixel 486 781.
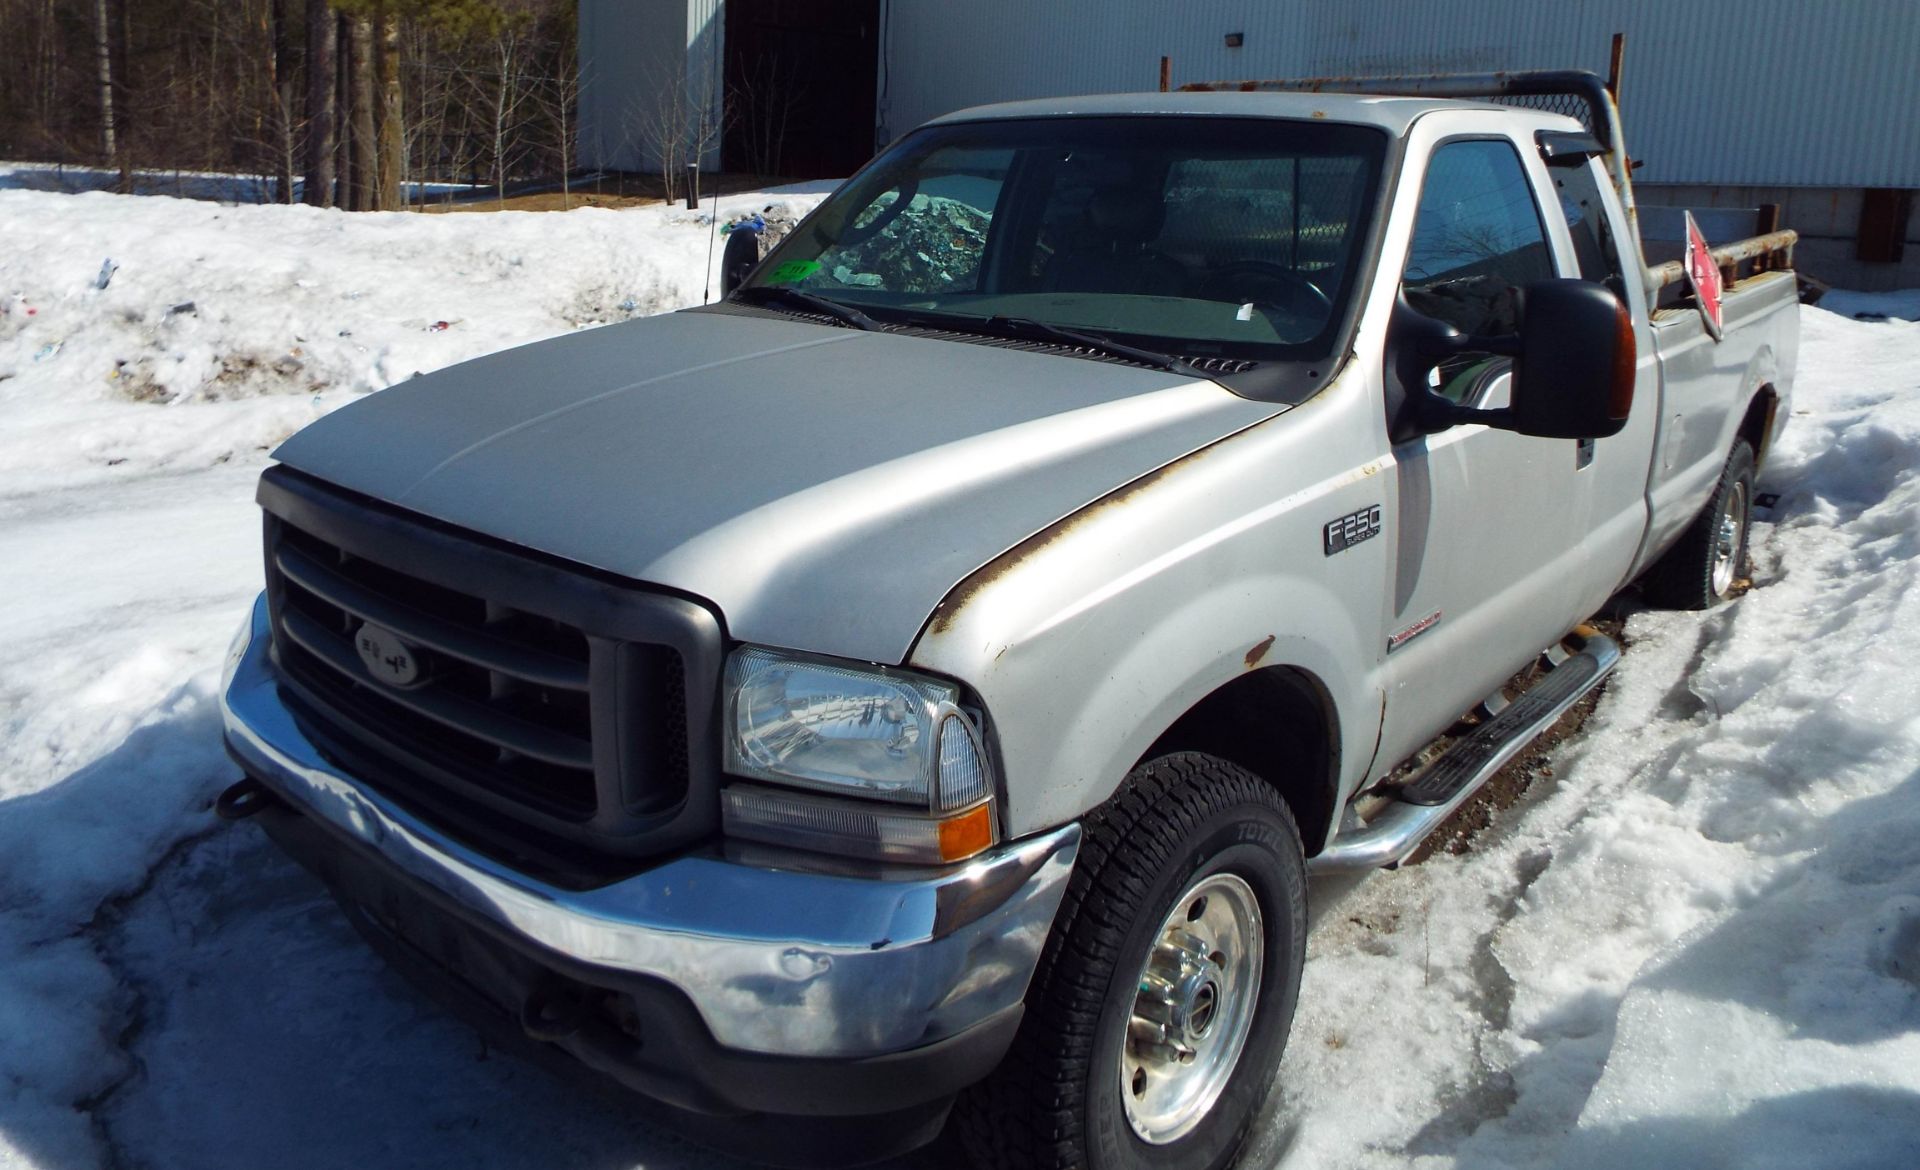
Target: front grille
pixel 504 693
pixel 521 711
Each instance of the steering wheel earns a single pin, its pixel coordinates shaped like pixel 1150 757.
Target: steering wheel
pixel 854 236
pixel 1268 286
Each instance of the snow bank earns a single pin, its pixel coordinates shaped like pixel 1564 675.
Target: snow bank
pixel 1904 306
pixel 287 311
pixel 1699 947
pixel 134 419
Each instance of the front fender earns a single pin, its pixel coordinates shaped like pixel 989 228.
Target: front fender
pixel 1093 637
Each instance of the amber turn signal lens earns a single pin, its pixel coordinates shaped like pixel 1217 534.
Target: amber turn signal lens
pixel 1620 405
pixel 967 834
pixel 853 828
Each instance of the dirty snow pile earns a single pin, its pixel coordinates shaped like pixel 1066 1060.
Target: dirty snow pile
pixel 278 314
pixel 134 419
pixel 1698 946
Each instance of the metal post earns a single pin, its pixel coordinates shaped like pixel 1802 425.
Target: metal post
pixel 1765 224
pixel 693 186
pixel 1166 74
pixel 1615 63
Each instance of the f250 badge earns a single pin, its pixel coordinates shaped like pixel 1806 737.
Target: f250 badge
pixel 1351 529
pixel 386 657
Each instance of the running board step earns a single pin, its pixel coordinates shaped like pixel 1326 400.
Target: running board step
pixel 1420 807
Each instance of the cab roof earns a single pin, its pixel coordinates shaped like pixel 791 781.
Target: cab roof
pixel 1392 114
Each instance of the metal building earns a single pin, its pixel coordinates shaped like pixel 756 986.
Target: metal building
pixel 1812 104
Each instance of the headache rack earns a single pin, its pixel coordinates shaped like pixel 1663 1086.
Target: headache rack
pixel 1577 93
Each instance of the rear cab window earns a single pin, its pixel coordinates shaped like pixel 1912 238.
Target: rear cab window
pixel 1578 186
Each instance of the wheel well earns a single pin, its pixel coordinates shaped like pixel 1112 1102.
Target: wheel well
pixel 1757 427
pixel 1279 724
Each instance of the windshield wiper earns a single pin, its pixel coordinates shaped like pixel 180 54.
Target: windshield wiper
pixel 797 298
pixel 1028 328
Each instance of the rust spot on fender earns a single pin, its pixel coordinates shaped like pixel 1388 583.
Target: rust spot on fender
pixel 961 595
pixel 1259 651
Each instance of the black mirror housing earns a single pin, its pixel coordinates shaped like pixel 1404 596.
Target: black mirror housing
pixel 737 260
pixel 1573 366
pixel 1574 371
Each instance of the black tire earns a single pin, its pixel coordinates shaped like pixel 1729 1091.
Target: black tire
pixel 1685 578
pixel 1055 1101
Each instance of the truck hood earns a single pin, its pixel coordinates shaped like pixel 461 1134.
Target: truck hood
pixel 823 487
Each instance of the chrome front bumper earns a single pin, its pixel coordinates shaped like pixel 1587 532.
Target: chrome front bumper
pixel 775 961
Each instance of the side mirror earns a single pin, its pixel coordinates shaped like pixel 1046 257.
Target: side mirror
pixel 1573 366
pixel 740 255
pixel 1573 376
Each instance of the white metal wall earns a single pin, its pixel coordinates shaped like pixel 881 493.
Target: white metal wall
pixel 630 51
pixel 1758 92
pixel 706 66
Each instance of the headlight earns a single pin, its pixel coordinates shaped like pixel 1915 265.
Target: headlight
pixel 869 732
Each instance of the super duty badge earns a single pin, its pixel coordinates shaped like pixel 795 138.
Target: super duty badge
pixel 1351 529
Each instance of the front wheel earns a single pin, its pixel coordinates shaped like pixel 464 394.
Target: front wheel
pixel 1158 1013
pixel 1702 570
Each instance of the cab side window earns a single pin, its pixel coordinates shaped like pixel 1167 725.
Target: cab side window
pixel 1478 239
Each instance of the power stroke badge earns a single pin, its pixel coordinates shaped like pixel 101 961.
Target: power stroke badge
pixel 386 657
pixel 1351 529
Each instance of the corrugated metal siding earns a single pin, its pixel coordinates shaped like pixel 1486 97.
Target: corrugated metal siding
pixel 628 50
pixel 706 64
pixel 1753 92
pixel 626 47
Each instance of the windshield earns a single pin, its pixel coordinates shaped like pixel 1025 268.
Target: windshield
pixel 1196 236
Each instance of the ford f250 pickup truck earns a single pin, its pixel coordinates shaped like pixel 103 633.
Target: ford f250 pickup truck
pixel 914 691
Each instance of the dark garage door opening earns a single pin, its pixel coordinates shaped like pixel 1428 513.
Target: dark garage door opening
pixel 800 78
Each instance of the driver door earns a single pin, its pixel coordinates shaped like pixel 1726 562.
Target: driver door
pixel 1490 523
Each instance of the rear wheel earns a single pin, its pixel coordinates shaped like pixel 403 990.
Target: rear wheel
pixel 1702 570
pixel 1160 1008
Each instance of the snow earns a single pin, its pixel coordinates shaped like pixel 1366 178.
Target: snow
pixel 1903 306
pixel 1699 946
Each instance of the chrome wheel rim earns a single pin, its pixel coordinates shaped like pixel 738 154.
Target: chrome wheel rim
pixel 1729 539
pixel 1193 1008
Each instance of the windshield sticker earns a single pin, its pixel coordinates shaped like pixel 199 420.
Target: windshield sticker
pixel 793 272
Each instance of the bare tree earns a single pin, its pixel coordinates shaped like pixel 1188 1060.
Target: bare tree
pixel 279 89
pixel 103 62
pixel 674 125
pixel 558 96
pixel 320 103
pixel 280 93
pixel 47 60
pixel 343 103
pixel 426 129
pixel 391 190
pixel 366 166
pixel 499 93
pixel 760 106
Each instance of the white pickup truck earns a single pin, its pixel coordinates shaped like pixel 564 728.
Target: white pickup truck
pixel 914 691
